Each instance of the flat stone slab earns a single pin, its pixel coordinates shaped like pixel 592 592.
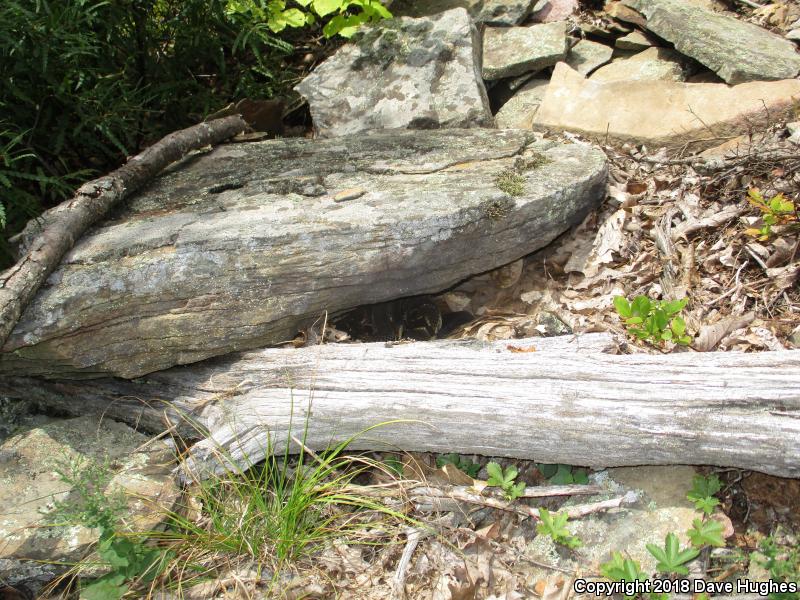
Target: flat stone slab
pixel 661 113
pixel 29 486
pixel 518 112
pixel 635 40
pixel 512 51
pixel 586 56
pixel 490 12
pixel 735 50
pixel 244 246
pixel 555 10
pixel 413 73
pixel 654 64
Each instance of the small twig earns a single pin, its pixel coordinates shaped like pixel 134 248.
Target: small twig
pixel 756 257
pixel 461 494
pixel 399 580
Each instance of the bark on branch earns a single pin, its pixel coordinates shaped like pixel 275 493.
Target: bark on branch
pixel 47 239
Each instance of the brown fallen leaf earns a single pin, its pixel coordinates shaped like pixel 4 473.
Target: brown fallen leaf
pixel 710 335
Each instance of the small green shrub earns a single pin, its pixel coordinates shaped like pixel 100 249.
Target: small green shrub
pixel 783 564
pixel 504 479
pixel 702 493
pixel 778 210
pixel 623 569
pixel 555 525
pixel 92 505
pixel 671 558
pixel 654 321
pixel 563 474
pixel 345 16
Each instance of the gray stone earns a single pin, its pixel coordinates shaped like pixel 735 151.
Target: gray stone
pixel 519 111
pixel 635 40
pixel 794 337
pixel 250 243
pixel 793 35
pixel 661 509
pixel 29 486
pixel 490 12
pixel 512 51
pixel 554 10
pixel 412 73
pixel 736 50
pixel 654 64
pixel 586 56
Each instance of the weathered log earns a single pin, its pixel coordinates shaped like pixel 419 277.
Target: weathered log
pixel 47 238
pixel 564 403
pixel 244 246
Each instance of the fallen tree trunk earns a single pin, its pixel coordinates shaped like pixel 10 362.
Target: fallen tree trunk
pixel 47 238
pixel 566 402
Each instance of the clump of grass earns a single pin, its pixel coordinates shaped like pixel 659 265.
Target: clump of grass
pixel 510 182
pixel 275 513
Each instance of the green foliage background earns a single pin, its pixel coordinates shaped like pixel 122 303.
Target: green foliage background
pixel 86 83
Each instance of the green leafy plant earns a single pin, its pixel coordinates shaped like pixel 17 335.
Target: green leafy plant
pixel 702 493
pixel 783 564
pixel 777 210
pixel 671 558
pixel 461 463
pixel 655 321
pixel 563 474
pixel 504 479
pixel 345 16
pixel 706 532
pixel 94 506
pixel 555 525
pixel 623 569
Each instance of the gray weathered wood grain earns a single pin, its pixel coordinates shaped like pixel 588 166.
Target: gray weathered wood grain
pixel 564 403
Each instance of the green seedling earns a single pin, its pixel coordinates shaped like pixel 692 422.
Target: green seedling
pixel 702 493
pixel 654 321
pixel 775 211
pixel 671 558
pixel 706 533
pixel 462 464
pixel 504 479
pixel 623 569
pixel 555 525
pixel 563 474
pixel 783 564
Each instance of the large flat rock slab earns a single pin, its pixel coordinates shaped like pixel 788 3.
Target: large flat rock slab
pixel 243 246
pixel 415 73
pixel 511 51
pixel 735 50
pixel 34 548
pixel 661 113
pixel 654 64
